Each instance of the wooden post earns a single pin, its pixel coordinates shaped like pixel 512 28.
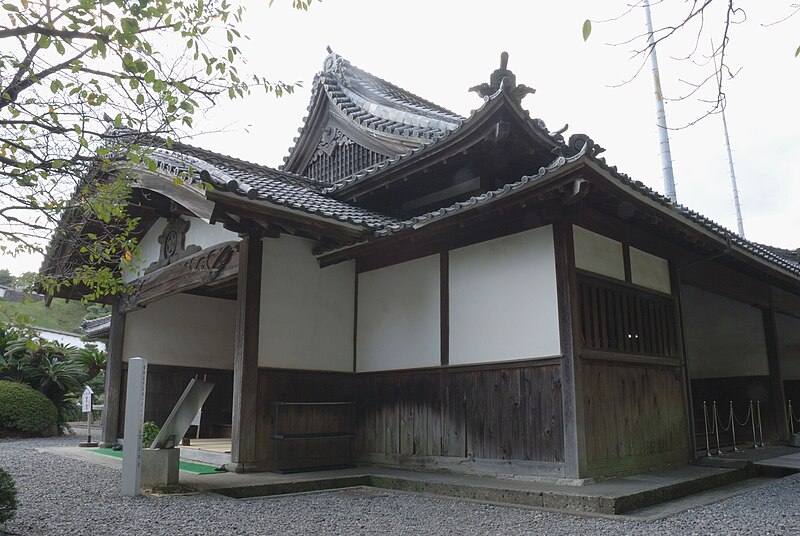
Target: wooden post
pixel 775 374
pixel 245 360
pixel 682 352
pixel 113 384
pixel 569 331
pixel 444 308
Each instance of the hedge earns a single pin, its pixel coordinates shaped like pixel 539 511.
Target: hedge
pixel 26 412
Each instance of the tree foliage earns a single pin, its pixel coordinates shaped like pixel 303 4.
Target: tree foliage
pixel 700 33
pixel 83 85
pixel 57 371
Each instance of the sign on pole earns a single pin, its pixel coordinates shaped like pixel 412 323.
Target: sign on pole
pixel 87 407
pixel 86 400
pixel 134 418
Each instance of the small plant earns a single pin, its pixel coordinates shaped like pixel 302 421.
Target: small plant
pixel 26 412
pixel 8 497
pixel 149 432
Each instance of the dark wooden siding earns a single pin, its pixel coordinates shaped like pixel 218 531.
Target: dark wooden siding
pixel 499 413
pixel 165 384
pixel 302 386
pixel 634 416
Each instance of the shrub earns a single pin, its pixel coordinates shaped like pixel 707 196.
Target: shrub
pixel 149 432
pixel 8 497
pixel 25 411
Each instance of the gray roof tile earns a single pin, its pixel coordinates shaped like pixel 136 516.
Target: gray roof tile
pixel 263 183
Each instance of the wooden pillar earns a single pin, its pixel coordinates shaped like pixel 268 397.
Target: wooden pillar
pixel 682 352
pixel 245 360
pixel 113 383
pixel 775 374
pixel 569 330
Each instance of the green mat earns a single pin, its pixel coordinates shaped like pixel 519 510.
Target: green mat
pixel 189 467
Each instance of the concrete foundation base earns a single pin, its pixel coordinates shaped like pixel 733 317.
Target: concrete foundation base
pixel 160 467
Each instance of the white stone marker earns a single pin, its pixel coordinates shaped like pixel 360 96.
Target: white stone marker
pixel 134 417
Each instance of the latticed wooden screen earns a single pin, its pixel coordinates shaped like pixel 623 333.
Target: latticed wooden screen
pixel 343 161
pixel 617 318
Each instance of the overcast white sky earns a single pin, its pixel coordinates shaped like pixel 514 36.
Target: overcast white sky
pixel 439 48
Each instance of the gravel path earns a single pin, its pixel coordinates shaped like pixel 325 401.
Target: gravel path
pixel 60 495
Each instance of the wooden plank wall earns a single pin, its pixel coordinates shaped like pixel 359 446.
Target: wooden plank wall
pixel 303 386
pixel 499 413
pixel 634 416
pixel 165 384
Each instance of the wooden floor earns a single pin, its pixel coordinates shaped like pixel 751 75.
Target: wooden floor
pixel 211 444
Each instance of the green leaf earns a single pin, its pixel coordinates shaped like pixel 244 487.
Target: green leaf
pixel 587 29
pixel 797 52
pixel 44 41
pixel 60 48
pixel 149 77
pixel 129 25
pixel 11 7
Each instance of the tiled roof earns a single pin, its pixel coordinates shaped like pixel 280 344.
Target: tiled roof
pixel 98 327
pixel 263 183
pixel 535 124
pixel 460 206
pixel 785 259
pixel 376 104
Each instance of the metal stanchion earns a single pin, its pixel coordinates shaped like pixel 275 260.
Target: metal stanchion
pixel 716 425
pixel 791 418
pixel 760 430
pixel 705 425
pixel 753 422
pixel 732 421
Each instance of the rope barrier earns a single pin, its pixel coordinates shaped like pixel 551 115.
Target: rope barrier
pixel 753 413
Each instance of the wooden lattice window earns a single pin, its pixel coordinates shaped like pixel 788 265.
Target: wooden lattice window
pixel 616 318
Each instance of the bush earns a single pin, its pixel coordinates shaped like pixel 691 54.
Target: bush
pixel 149 432
pixel 8 497
pixel 24 411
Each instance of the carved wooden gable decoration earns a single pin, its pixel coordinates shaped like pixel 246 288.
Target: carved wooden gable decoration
pixel 173 244
pixel 356 120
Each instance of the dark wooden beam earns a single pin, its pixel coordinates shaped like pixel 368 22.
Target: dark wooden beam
pixel 775 374
pixel 113 382
pixel 316 227
pixel 215 265
pixel 444 307
pixel 245 359
pixel 680 347
pixel 569 331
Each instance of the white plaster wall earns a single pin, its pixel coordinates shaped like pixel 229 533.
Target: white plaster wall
pixel 67 338
pixel 598 254
pixel 650 271
pixel 789 346
pixel 200 233
pixel 399 316
pixel 182 330
pixel 503 302
pixel 724 337
pixel 307 312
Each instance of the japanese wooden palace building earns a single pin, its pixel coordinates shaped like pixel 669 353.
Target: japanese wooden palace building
pixel 466 293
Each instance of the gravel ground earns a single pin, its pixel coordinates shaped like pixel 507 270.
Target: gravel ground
pixel 60 495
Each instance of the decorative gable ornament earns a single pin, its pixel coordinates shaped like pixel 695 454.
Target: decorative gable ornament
pixel 503 79
pixel 173 244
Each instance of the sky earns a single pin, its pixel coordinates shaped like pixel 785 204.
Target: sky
pixel 437 49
